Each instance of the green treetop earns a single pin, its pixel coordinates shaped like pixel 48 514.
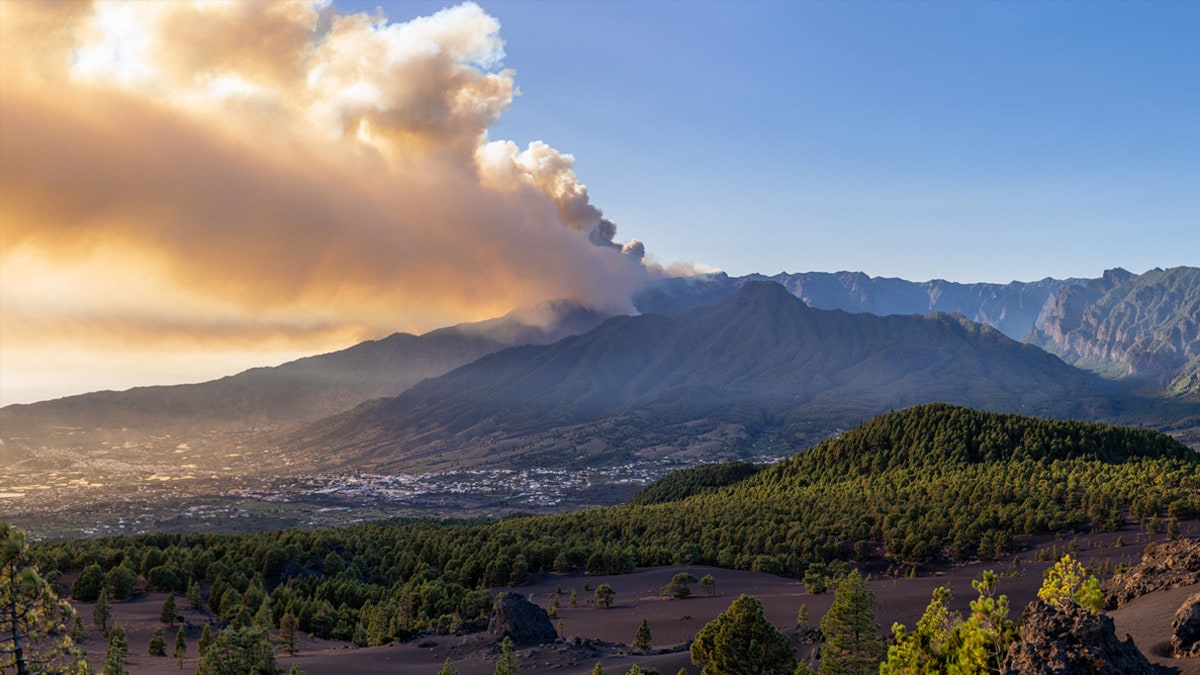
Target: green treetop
pixel 851 644
pixel 641 641
pixel 740 641
pixel 1067 582
pixel 34 621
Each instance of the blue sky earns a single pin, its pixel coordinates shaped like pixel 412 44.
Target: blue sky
pixel 971 141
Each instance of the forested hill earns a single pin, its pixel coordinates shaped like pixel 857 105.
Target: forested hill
pixel 940 436
pixel 932 440
pixel 693 481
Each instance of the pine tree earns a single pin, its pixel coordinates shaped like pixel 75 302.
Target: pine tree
pixel 239 650
pixel 121 582
pixel 604 595
pixel 851 644
pixel 77 630
pixel 102 612
pixel 984 638
pixel 169 610
pixel 288 627
pixel 205 641
pixel 263 617
pixel 89 585
pixel 924 649
pixel 641 641
pixel 33 619
pixel 740 641
pixel 944 642
pixel 677 588
pixel 708 584
pixel 158 643
pixel 802 615
pixel 507 665
pixel 377 627
pixel 180 647
pixel 1067 582
pixel 598 669
pixel 193 595
pixel 448 668
pixel 118 650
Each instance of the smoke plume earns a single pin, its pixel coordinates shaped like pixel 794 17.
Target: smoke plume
pixel 222 169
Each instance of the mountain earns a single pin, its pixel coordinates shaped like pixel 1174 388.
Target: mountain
pixel 1186 382
pixel 269 398
pixel 760 365
pixel 1129 325
pixel 1013 308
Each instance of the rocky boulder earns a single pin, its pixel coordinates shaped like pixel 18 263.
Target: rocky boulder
pixel 1185 629
pixel 1170 564
pixel 520 620
pixel 1073 640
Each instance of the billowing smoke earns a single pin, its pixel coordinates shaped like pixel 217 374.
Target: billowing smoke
pixel 223 165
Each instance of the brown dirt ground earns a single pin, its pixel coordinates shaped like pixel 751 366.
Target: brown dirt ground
pixel 672 622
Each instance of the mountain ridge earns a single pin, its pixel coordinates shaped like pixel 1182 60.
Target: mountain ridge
pixel 266 399
pixel 762 357
pixel 1013 308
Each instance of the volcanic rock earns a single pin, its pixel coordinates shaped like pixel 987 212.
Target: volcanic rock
pixel 1185 629
pixel 1171 564
pixel 520 620
pixel 1071 639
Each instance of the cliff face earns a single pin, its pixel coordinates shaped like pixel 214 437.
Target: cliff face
pixel 1011 308
pixel 1125 324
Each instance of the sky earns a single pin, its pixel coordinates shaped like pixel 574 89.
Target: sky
pixel 191 189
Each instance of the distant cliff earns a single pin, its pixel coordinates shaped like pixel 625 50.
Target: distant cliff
pixel 1012 308
pixel 1124 324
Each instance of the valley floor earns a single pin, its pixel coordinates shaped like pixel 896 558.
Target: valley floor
pixel 604 634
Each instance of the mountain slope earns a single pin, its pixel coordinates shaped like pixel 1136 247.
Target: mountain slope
pixel 1125 324
pixel 302 390
pixel 760 361
pixel 1012 308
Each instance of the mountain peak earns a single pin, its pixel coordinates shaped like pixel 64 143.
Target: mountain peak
pixel 771 294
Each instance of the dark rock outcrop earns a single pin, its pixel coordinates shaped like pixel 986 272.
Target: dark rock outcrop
pixel 1073 640
pixel 522 621
pixel 809 635
pixel 1171 564
pixel 1185 629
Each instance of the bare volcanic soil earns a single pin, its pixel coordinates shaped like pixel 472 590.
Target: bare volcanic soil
pixel 592 634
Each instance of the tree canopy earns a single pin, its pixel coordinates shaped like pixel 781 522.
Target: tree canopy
pixel 740 641
pixel 34 622
pixel 852 646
